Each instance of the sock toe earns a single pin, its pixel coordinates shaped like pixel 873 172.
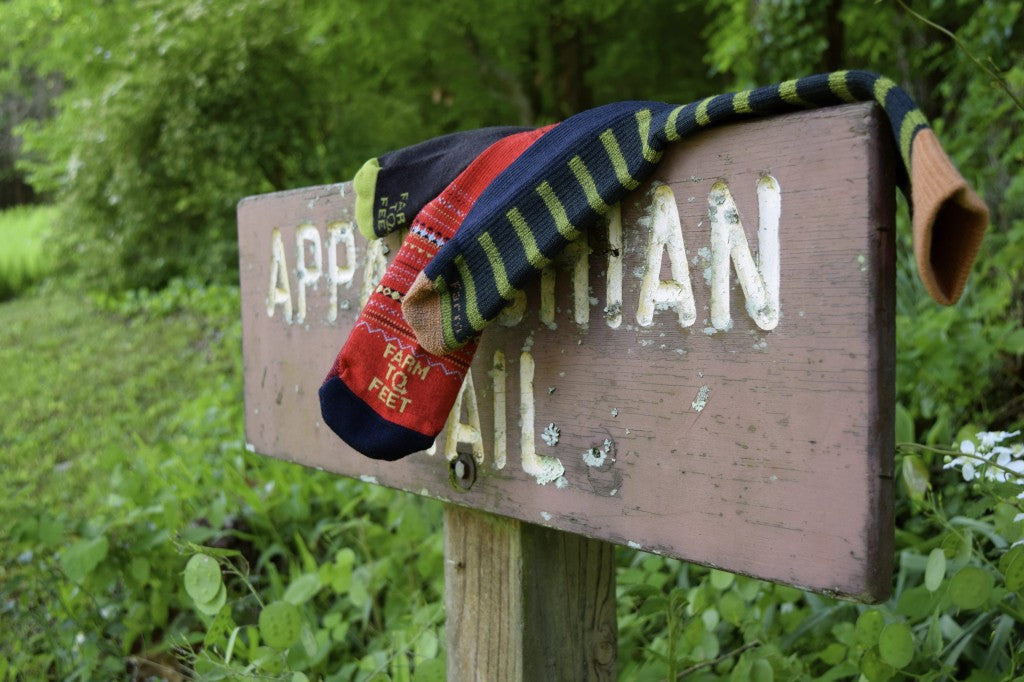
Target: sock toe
pixel 422 311
pixel 357 424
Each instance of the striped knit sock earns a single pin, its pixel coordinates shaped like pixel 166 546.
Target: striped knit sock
pixel 392 188
pixel 562 185
pixel 385 396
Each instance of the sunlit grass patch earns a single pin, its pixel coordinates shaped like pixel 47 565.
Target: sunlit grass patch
pixel 22 262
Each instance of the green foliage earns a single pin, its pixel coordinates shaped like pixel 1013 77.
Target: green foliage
pixel 177 109
pixel 141 536
pixel 22 258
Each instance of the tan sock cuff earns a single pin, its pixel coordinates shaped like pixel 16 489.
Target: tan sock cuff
pixel 421 309
pixel 949 220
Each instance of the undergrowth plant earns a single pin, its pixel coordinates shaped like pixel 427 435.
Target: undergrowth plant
pixel 170 551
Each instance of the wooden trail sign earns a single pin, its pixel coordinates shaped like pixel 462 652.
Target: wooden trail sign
pixel 709 376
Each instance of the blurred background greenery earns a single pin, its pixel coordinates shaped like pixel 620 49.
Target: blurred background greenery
pixel 129 130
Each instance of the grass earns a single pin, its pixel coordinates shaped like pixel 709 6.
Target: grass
pixel 22 233
pixel 78 381
pixel 120 444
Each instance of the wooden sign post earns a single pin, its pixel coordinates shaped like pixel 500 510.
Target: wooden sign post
pixel 709 376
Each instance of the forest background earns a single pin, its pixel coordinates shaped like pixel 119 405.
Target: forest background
pixel 128 132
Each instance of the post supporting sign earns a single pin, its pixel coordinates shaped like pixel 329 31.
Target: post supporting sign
pixel 708 375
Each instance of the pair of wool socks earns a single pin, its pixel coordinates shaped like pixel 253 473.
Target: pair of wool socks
pixel 393 187
pixel 563 184
pixel 385 396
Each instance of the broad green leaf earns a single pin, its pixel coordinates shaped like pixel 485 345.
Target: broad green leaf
pixel 358 591
pixel 280 624
pixel 82 558
pixel 970 587
pixel 1014 570
pixel 213 607
pixel 874 668
pixel 219 630
pixel 721 580
pixel 904 425
pixel 869 627
pixel 915 477
pixel 761 671
pixel 431 670
pixel 896 645
pixel 308 640
pixel 935 570
pixel 915 603
pixel 426 645
pixel 941 432
pixel 202 578
pixel 833 654
pixel 1010 556
pixel 732 608
pixel 302 589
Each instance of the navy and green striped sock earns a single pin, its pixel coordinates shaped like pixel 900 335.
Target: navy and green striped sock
pixel 393 187
pixel 566 181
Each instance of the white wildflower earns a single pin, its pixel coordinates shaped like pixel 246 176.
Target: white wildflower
pixel 1007 460
pixel 987 439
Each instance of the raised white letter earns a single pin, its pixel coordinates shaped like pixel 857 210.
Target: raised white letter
pixel 666 232
pixel 760 283
pixel 280 291
pixel 305 275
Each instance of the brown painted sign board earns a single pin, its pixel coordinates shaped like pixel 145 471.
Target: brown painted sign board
pixel 709 377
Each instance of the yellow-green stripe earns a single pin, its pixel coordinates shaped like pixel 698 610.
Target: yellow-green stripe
pixel 557 211
pixel 837 84
pixel 882 87
pixel 787 91
pixel 643 126
pixel 670 125
pixel 611 146
pixel 702 112
pixel 586 180
pixel 912 120
pixel 533 254
pixel 741 102
pixel 497 266
pixel 476 320
pixel 446 313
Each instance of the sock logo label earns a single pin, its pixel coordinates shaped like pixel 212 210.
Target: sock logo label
pixel 391 216
pixel 393 389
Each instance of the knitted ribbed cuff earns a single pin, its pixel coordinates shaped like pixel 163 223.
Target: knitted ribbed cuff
pixel 949 220
pixel 365 185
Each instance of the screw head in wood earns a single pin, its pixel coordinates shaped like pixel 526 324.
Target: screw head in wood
pixel 463 471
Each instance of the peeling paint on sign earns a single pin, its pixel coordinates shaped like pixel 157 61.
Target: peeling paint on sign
pixel 701 401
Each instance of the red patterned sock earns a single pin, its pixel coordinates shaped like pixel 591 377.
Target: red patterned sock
pixel 386 396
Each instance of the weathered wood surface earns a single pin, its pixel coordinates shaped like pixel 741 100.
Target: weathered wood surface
pixel 524 602
pixel 767 453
